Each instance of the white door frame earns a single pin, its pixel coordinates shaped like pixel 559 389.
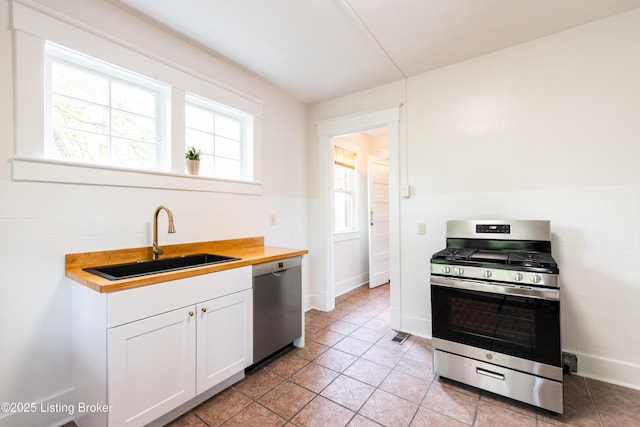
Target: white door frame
pixel 324 216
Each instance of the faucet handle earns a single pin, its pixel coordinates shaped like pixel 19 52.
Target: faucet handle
pixel 157 252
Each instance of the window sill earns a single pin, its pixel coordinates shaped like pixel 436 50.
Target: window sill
pixel 54 171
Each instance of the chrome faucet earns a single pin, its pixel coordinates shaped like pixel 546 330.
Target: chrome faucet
pixel 156 250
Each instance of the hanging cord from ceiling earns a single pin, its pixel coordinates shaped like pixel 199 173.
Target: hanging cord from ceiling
pixel 371 36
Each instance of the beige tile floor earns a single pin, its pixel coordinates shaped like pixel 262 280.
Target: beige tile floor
pixel 350 373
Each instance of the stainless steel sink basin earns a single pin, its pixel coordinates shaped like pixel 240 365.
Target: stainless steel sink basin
pixel 143 268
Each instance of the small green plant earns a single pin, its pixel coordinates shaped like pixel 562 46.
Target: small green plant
pixel 192 154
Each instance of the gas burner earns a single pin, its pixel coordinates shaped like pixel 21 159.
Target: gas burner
pixel 454 254
pixel 531 259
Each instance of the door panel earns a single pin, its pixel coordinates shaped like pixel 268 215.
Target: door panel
pixel 151 367
pixel 379 244
pixel 225 345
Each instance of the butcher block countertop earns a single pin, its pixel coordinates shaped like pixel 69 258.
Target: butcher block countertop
pixel 251 251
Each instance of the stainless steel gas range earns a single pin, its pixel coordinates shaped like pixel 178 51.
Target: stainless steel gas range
pixel 495 301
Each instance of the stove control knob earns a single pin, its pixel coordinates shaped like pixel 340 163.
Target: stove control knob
pixel 517 276
pixel 486 274
pixel 446 269
pixel 460 271
pixel 536 278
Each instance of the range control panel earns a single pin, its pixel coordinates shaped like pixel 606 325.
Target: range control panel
pixel 493 228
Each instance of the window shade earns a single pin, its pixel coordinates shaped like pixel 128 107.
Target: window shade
pixel 344 157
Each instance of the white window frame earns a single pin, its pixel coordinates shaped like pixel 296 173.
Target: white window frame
pixel 246 123
pixel 62 55
pixel 33 26
pixel 355 227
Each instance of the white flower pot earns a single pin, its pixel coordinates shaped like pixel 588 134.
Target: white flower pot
pixel 193 167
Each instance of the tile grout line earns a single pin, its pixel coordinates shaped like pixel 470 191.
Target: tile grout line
pixel 593 402
pixel 360 357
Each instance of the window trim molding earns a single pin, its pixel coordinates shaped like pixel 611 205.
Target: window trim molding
pixel 32 25
pixel 30 169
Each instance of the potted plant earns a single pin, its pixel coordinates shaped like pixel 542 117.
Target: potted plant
pixel 193 160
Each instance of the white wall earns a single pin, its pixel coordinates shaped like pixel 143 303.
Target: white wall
pixel 41 222
pixel 545 130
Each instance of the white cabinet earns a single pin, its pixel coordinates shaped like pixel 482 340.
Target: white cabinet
pixel 151 367
pixel 224 338
pixel 148 351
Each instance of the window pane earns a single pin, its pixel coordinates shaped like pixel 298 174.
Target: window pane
pixel 78 145
pixel 206 165
pixel 228 127
pixel 133 127
pixel 200 140
pixel 227 148
pixel 344 197
pixel 226 168
pixel 79 83
pixel 343 211
pixel 343 178
pixel 72 113
pixel 133 154
pixel 197 118
pixel 131 98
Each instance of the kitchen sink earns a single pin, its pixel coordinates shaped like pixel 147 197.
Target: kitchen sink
pixel 143 268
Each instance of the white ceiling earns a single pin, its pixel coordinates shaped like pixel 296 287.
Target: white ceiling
pixel 322 49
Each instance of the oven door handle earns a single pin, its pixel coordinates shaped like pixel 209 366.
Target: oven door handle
pixel 498 288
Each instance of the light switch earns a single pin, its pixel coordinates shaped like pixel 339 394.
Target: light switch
pixel 272 219
pixel 422 228
pixel 405 191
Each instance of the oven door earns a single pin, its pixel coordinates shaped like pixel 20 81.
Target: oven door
pixel 506 319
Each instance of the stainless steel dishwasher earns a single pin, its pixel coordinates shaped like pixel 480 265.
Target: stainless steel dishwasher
pixel 277 306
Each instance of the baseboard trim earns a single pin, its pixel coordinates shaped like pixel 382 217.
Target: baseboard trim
pixel 350 284
pixel 53 411
pixel 608 370
pixel 418 326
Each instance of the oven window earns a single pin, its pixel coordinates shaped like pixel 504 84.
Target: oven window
pixel 524 327
pixel 506 323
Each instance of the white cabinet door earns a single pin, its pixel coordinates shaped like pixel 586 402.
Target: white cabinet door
pixel 151 367
pixel 225 338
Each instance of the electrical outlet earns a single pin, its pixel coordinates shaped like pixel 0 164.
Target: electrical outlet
pixel 570 362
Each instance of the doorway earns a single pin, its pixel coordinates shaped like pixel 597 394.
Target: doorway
pixel 322 217
pixel 360 178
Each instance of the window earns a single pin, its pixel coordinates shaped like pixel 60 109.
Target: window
pixel 92 110
pixel 222 135
pixel 102 114
pixel 344 189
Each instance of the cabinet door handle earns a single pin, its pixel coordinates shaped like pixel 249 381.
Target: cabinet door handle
pixel 191 314
pixel 204 309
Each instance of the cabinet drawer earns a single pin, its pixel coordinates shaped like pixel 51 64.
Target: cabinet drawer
pixel 138 303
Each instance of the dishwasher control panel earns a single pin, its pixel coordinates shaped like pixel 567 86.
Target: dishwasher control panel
pixel 275 266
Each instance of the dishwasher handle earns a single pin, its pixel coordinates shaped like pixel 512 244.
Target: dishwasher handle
pixel 277 268
pixel 279 272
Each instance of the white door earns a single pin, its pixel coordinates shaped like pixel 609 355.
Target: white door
pixel 379 245
pixel 151 367
pixel 225 338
